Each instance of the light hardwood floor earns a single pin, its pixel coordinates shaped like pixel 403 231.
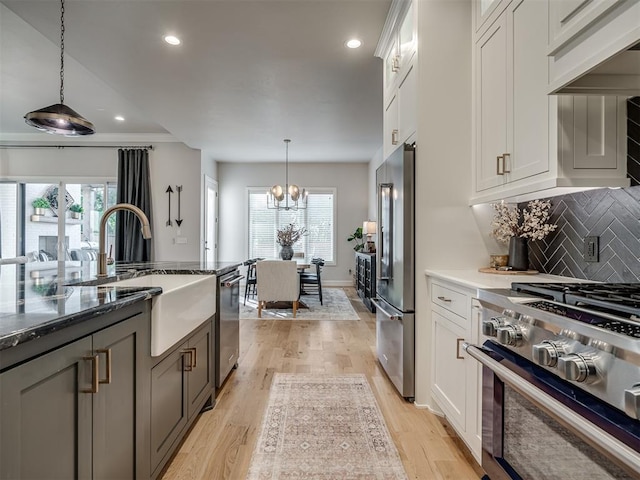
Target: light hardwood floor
pixel 220 444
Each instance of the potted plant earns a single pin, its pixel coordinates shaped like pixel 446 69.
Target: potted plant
pixel 40 205
pixel 357 237
pixel 76 210
pixel 286 237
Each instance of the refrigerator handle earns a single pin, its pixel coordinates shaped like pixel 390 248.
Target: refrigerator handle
pixel 385 214
pixel 389 315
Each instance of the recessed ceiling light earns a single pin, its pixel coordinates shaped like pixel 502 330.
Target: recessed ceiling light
pixel 353 43
pixel 119 118
pixel 172 40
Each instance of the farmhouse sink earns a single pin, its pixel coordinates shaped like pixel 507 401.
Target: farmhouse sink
pixel 186 302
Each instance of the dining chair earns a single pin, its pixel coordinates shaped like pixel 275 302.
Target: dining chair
pixel 298 254
pixel 278 280
pixel 313 279
pixel 250 286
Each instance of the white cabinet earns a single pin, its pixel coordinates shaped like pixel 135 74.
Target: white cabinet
pixel 400 93
pixel 523 136
pixel 584 35
pixel 456 377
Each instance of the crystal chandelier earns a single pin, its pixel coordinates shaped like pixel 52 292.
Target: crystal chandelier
pixel 59 119
pixel 290 197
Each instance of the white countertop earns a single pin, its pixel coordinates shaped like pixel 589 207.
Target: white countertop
pixel 475 279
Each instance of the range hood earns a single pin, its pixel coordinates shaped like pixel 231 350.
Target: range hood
pixel 618 75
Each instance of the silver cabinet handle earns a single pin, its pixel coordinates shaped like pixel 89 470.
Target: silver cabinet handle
pixel 563 414
pixel 498 170
pixel 107 352
pixel 95 373
pixel 394 136
pixel 444 299
pixel 506 156
pixel 458 342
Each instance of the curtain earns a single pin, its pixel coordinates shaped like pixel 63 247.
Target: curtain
pixel 134 187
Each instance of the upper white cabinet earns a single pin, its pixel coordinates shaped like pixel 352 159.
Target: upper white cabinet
pixel 524 138
pixel 397 48
pixel 589 43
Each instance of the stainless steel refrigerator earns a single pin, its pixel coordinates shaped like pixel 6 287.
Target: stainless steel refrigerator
pixel 395 315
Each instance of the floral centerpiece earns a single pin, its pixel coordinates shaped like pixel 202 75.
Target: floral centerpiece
pixel 286 237
pixel 515 227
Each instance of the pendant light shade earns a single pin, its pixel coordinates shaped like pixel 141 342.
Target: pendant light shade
pixel 289 197
pixel 59 119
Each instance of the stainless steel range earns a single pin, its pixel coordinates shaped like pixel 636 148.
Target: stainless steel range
pixel 561 383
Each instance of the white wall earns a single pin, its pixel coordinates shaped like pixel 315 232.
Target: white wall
pixel 447 236
pixel 171 164
pixel 350 180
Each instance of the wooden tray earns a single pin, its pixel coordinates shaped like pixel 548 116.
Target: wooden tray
pixel 507 272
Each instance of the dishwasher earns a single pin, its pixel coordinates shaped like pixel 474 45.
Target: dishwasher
pixel 227 324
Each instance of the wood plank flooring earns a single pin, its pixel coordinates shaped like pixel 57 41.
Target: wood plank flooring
pixel 221 441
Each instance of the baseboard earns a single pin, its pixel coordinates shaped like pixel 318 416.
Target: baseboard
pixel 337 283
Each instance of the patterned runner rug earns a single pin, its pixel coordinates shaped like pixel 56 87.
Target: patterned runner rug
pixel 324 427
pixel 336 306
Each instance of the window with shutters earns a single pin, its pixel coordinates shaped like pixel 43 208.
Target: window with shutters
pixel 318 218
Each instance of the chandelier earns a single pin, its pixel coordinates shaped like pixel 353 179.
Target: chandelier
pixel 58 118
pixel 290 197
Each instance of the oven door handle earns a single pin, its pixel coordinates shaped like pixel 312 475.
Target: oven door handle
pixel 563 414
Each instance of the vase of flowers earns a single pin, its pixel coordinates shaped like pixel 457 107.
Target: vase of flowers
pixel 516 227
pixel 286 237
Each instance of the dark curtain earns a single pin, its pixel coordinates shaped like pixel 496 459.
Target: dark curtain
pixel 134 187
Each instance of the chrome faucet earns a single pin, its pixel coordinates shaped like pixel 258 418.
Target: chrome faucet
pixel 102 253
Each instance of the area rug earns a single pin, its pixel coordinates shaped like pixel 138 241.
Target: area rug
pixel 336 306
pixel 324 427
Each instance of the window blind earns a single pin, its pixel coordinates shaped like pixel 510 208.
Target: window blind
pixel 318 218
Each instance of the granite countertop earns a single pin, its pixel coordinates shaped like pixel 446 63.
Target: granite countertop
pixel 43 297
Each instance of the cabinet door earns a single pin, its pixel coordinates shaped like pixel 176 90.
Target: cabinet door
pixel 116 406
pixel 491 103
pixel 449 370
pixel 528 104
pixel 200 381
pixel 407 39
pixel 407 101
pixel 45 421
pixel 168 403
pixel 391 131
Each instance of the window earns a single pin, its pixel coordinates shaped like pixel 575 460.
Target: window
pixel 318 218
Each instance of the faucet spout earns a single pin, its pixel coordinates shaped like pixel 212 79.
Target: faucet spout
pixel 102 252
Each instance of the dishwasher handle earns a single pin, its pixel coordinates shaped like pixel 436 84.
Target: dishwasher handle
pixel 232 281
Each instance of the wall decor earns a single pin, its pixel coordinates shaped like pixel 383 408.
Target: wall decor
pixel 169 191
pixel 179 219
pixel 51 195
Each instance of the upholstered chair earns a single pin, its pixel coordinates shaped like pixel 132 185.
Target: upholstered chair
pixel 278 280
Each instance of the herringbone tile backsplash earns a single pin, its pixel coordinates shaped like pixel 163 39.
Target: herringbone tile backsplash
pixel 611 215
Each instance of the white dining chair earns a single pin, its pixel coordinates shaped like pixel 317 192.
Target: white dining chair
pixel 277 280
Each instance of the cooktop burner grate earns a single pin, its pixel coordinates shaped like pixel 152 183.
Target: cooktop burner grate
pixel 629 329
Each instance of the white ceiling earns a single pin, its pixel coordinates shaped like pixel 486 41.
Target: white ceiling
pixel 247 75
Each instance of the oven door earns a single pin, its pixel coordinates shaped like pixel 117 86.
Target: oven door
pixel 537 426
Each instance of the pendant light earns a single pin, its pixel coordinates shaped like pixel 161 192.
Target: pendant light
pixel 59 119
pixel 290 197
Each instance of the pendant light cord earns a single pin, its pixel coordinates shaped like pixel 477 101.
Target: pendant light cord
pixel 62 51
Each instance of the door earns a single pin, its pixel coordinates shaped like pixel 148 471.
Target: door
pixel 210 250
pixel 45 417
pixel 117 402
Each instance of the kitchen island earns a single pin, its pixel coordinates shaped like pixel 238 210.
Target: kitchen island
pixel 77 376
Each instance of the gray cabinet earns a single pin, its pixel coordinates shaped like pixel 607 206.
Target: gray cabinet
pixel 181 383
pixel 71 413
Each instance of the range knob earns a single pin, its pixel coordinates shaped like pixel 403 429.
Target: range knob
pixel 490 327
pixel 632 401
pixel 548 352
pixel 510 335
pixel 578 367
